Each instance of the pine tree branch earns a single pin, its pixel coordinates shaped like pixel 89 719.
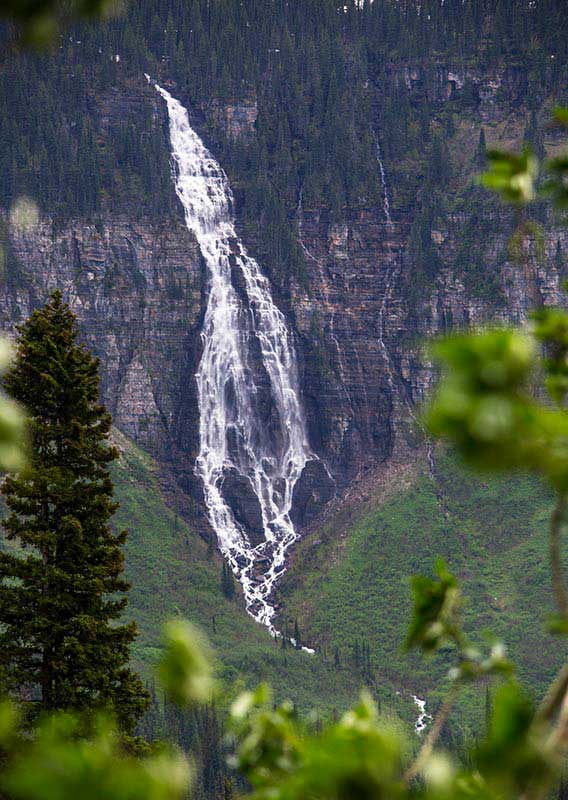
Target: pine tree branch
pixel 554 695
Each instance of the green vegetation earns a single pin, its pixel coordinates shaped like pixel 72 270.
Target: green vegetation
pixel 174 572
pixel 354 586
pixel 62 592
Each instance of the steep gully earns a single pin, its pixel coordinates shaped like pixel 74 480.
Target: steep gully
pixel 424 717
pixel 389 367
pixel 251 422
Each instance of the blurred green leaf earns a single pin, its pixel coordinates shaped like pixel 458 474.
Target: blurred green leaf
pixel 40 20
pixel 514 759
pixel 13 440
pixel 435 602
pixel 474 665
pixel 58 764
pixel 560 116
pixel 512 176
pixel 551 328
pixel 270 741
pixel 186 666
pixel 558 625
pixel 9 718
pixel 556 184
pixel 484 406
pixel 247 701
pixel 358 757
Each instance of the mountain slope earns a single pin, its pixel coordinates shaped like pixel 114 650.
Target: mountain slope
pixel 349 581
pixel 174 572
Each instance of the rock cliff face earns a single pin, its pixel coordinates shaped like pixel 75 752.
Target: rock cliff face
pixel 361 317
pixel 493 92
pixel 137 290
pixel 363 338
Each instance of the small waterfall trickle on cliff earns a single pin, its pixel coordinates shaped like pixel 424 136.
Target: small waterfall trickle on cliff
pixel 252 432
pixel 382 171
pixel 390 273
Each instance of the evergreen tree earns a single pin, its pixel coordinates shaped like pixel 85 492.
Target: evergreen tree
pixel 558 257
pixel 297 640
pixel 480 156
pixel 487 707
pixel 62 593
pixel 356 655
pixel 227 582
pixel 336 659
pixel 533 137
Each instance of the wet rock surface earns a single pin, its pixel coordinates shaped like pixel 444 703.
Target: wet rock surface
pixel 238 493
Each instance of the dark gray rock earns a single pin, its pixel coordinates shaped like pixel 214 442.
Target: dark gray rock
pixel 313 490
pixel 238 493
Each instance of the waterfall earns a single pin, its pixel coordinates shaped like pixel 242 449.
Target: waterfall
pixel 390 274
pixel 300 218
pixel 387 296
pixel 386 201
pixel 251 427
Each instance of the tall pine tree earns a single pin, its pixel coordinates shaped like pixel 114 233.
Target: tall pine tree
pixel 62 590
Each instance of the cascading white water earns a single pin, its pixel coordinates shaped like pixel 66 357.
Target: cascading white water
pixel 251 422
pixel 386 201
pixel 423 716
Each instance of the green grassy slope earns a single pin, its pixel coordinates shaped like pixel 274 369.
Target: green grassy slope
pixel 173 572
pixel 350 582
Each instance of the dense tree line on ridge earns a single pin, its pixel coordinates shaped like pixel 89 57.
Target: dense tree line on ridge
pixel 308 65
